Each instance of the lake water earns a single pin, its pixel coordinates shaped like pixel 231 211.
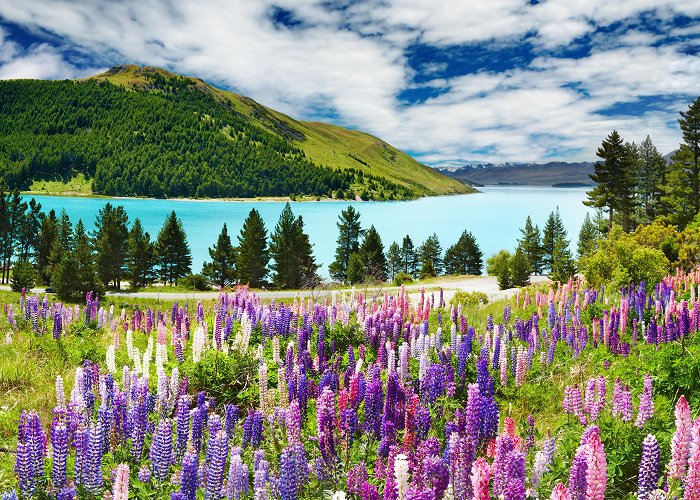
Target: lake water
pixel 494 216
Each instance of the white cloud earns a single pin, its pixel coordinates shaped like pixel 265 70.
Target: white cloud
pixel 352 62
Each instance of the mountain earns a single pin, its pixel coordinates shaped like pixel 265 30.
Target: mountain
pixel 143 131
pixel 555 173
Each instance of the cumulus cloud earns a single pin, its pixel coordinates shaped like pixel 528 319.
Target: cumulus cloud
pixel 347 60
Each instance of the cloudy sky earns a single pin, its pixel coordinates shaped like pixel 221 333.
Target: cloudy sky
pixel 447 80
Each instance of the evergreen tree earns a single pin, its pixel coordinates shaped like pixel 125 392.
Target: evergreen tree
pixel 652 169
pixel 464 257
pixel 221 270
pixel 348 241
pixel 172 251
pixel 14 212
pixel 587 237
pixel 76 273
pixel 531 244
pixel 615 179
pixel 552 232
pixel 409 258
pixel 356 269
pixel 678 189
pixel 48 233
pixel 430 257
pixel 62 243
pixel 519 267
pixel 690 126
pixel 253 254
pixel 110 240
pixel 563 264
pixel 141 256
pixel 372 253
pixel 29 231
pixel 394 260
pixel 23 276
pixel 291 251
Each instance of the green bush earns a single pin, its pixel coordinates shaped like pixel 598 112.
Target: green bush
pixel 229 378
pixel 195 282
pixel 23 276
pixel 469 299
pixel 402 278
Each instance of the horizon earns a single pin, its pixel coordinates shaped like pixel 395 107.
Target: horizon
pixel 509 82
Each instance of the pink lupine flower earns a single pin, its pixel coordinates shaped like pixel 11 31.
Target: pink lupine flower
pixel 692 480
pixel 560 492
pixel 680 445
pixel 481 476
pixel 121 483
pixel 596 475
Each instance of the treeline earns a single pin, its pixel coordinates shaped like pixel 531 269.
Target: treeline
pixel 170 139
pixel 360 255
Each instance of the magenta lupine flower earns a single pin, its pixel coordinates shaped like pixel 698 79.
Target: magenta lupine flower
pixel 649 467
pixel 325 419
pixel 120 490
pixel 589 399
pixel 293 423
pixel 356 478
pixel 480 478
pixel 646 403
pixel 596 474
pixel 560 492
pixel 680 445
pixel 369 491
pixel 692 480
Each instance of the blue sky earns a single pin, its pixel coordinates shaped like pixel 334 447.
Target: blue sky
pixel 450 81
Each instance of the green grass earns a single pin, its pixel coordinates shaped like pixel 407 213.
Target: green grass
pixel 78 185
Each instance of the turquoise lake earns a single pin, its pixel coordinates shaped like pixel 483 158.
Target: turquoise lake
pixel 494 216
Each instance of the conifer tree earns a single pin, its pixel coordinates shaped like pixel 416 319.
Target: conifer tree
pixel 409 258
pixel 141 256
pixel 562 263
pixel 350 232
pixel 110 240
pixel 690 126
pixel 221 270
pixel 253 253
pixel 552 232
pixel 587 237
pixel 652 169
pixel 394 262
pixel 531 244
pixel 356 269
pixel 293 263
pixel 464 257
pixel 29 231
pixel 430 257
pixel 372 253
pixel 173 251
pixel 520 268
pixel 62 243
pixel 677 189
pixel 76 273
pixel 48 233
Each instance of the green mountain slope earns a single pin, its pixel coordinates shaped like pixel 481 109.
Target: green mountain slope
pixel 146 132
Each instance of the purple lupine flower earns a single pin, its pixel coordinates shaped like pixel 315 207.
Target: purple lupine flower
pixel 24 470
pixel 237 485
pixel 94 479
pixel 231 416
pixel 188 477
pixel 144 473
pixel 215 468
pixel 649 467
pixel 59 441
pixel 374 401
pixel 289 479
pixel 162 450
pixel 182 424
pixel 646 403
pixel 197 417
pixel 577 476
pixel 515 486
pixel 504 445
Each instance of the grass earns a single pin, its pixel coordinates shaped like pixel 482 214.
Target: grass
pixel 78 185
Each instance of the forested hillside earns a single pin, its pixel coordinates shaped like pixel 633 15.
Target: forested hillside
pixel 140 132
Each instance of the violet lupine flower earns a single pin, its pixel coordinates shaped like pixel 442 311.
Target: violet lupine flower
pixel 325 416
pixel 237 485
pixel 649 467
pixel 197 417
pixel 231 418
pixel 577 476
pixel 188 477
pixel 692 480
pixel 289 481
pixel 24 470
pixel 94 479
pixel 515 485
pixel 120 490
pixel 356 478
pixel 480 478
pixel 162 450
pixel 543 459
pixel 680 445
pixel 182 424
pixel 293 423
pixel 59 441
pixel 144 473
pixel 504 445
pixel 646 403
pixel 215 468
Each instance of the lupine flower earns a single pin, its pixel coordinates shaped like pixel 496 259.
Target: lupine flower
pixel 188 478
pixel 680 445
pixel 144 473
pixel 692 479
pixel 560 492
pixel 648 468
pixel 646 403
pixel 161 450
pixel 401 475
pixel 577 476
pixel 215 468
pixel 596 474
pixel 120 490
pixel 543 460
pixel 480 478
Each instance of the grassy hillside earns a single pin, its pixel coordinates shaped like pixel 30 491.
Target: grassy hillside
pixel 324 144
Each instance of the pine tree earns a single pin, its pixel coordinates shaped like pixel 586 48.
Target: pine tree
pixel 614 178
pixel 291 251
pixel 76 273
pixel 519 267
pixel 531 244
pixel 394 260
pixel 464 257
pixel 110 240
pixel 62 244
pixel 563 264
pixel 409 258
pixel 172 251
pixel 372 253
pixel 253 254
pixel 652 169
pixel 348 241
pixel 141 256
pixel 356 269
pixel 678 189
pixel 430 257
pixel 690 126
pixel 552 232
pixel 29 232
pixel 587 237
pixel 48 233
pixel 14 211
pixel 221 270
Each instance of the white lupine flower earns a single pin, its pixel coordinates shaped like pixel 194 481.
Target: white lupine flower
pixel 339 495
pixel 60 392
pixel 401 474
pixel 109 359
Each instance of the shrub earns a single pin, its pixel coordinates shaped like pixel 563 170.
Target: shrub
pixel 402 278
pixel 195 282
pixel 228 379
pixel 23 276
pixel 469 299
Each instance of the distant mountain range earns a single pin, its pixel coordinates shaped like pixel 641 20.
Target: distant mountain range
pixel 554 173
